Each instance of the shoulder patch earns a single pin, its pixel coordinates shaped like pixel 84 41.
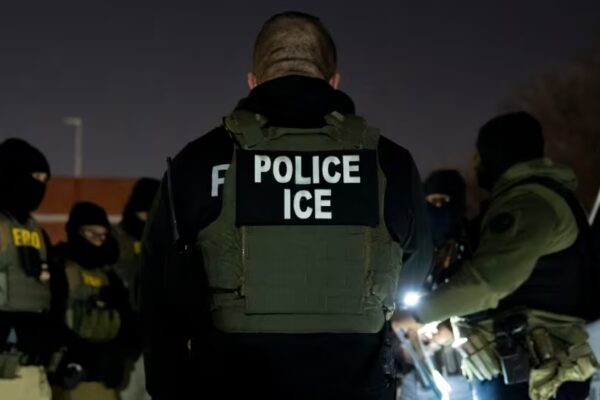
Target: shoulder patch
pixel 502 223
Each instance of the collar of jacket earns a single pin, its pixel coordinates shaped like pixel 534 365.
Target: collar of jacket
pixel 543 168
pixel 296 101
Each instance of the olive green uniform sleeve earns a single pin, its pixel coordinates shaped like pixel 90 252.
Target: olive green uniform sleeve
pixel 520 227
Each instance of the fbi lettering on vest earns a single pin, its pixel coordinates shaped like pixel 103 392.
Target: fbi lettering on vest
pixel 307 188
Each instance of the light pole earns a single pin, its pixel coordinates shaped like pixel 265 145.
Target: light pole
pixel 77 123
pixel 595 209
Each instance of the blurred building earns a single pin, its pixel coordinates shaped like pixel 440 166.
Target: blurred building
pixel 110 193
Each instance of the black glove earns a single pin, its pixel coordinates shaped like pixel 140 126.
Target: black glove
pixel 73 375
pixel 110 365
pixel 111 296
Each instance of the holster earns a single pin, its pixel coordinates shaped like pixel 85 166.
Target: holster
pixel 512 349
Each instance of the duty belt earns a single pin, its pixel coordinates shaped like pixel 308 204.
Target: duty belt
pixel 531 346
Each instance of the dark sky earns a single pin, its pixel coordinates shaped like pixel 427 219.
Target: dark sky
pixel 148 77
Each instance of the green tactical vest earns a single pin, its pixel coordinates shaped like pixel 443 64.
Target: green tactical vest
pixel 129 264
pixel 84 316
pixel 18 291
pixel 299 278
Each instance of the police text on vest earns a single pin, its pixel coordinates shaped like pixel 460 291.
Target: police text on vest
pixel 314 203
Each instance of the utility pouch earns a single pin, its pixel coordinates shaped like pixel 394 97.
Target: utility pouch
pixel 9 364
pixel 542 344
pixel 56 360
pixel 512 349
pixel 3 288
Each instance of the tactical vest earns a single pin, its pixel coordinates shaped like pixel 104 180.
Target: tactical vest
pixel 84 316
pixel 299 278
pixel 22 258
pixel 129 264
pixel 561 282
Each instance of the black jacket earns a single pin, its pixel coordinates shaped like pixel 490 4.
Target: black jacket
pixel 291 366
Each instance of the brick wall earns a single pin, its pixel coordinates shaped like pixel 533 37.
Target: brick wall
pixel 110 193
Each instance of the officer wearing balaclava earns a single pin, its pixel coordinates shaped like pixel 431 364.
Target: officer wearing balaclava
pixel 96 305
pixel 129 234
pixel 24 276
pixel 524 296
pixel 446 194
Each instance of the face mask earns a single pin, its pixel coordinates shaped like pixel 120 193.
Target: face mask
pixel 443 221
pixel 133 225
pixel 22 195
pixel 91 257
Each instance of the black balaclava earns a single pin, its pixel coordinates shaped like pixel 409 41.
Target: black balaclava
pixel 140 200
pixel 446 220
pixel 505 141
pixel 80 249
pixel 21 192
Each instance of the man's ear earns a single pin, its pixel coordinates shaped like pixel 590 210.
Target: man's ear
pixel 334 81
pixel 252 80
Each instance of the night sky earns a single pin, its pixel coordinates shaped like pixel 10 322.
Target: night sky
pixel 149 77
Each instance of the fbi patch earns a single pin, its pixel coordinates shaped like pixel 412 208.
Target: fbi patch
pixel 307 188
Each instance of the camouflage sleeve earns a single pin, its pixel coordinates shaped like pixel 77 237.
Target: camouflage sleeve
pixel 518 230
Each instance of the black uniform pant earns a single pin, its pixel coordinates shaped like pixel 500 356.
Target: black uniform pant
pixel 497 390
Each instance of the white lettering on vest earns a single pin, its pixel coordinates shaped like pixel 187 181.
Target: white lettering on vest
pixel 217 178
pixel 348 168
pixel 289 169
pixel 303 204
pixel 307 212
pixel 315 167
pixel 335 178
pixel 261 164
pixel 287 201
pixel 299 179
pixel 322 199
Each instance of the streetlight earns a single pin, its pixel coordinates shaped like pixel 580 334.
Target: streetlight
pixel 77 123
pixel 595 209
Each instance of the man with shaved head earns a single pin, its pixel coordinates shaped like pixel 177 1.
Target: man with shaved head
pixel 281 240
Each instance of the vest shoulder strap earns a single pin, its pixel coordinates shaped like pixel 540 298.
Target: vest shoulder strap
pixel 250 129
pixel 73 275
pixel 355 130
pixel 561 190
pixel 246 127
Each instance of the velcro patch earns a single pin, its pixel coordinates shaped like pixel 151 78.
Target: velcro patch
pixel 26 238
pixel 307 188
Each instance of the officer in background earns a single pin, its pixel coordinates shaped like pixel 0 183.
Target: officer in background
pixel 24 275
pixel 446 196
pixel 128 234
pixel 96 306
pixel 526 293
pixel 302 217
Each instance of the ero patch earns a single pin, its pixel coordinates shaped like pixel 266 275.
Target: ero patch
pixel 307 188
pixel 502 223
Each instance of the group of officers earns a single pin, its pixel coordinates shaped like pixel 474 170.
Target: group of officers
pixel 278 251
pixel 69 320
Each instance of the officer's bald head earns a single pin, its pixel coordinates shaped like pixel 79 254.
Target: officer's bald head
pixel 293 43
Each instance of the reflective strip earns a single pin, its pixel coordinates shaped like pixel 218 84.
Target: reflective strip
pixel 52 218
